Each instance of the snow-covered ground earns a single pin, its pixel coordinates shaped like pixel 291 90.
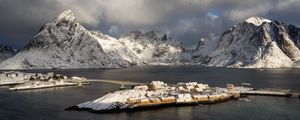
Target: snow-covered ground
pixel 159 93
pixel 42 84
pixel 156 93
pixel 113 100
pixel 11 77
pixel 27 81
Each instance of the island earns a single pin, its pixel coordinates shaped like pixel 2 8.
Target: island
pixel 28 81
pixel 158 94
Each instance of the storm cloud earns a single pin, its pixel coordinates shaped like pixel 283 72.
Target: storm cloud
pixel 184 20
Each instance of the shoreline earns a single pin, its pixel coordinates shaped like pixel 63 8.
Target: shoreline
pixel 166 105
pixel 150 107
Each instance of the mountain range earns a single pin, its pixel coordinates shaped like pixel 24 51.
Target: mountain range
pixel 65 44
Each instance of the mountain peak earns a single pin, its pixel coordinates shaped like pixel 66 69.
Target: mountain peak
pixel 257 20
pixel 66 15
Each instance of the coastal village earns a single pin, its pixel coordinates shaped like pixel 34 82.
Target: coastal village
pixel 182 93
pixel 28 81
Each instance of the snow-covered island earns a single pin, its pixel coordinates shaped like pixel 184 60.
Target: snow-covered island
pixel 158 94
pixel 27 81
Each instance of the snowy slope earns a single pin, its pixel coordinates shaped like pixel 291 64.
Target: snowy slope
pixel 152 47
pixel 115 48
pixel 113 100
pixel 254 43
pixel 6 52
pixel 63 43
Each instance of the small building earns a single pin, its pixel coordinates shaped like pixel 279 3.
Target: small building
pixel 206 86
pixel 184 98
pixel 144 101
pixel 230 87
pixel 200 97
pixel 172 88
pixel 141 87
pixel 156 85
pixel 198 90
pixel 191 83
pixel 154 100
pixel 169 99
pixel 189 87
pixel 182 89
pixel 201 86
pixel 132 100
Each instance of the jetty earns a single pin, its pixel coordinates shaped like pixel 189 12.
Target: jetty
pixel 266 93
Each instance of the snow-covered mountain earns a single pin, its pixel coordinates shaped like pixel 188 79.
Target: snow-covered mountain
pixel 6 52
pixel 153 47
pixel 254 43
pixel 63 43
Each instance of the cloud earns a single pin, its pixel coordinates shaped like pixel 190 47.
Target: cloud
pixel 87 12
pixel 184 20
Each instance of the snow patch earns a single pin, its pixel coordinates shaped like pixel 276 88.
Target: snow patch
pixel 257 20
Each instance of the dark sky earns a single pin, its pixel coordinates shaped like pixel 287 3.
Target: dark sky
pixel 184 20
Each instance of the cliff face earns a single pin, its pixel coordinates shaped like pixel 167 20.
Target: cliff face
pixel 254 43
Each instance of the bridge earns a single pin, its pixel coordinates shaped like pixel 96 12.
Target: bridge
pixel 122 83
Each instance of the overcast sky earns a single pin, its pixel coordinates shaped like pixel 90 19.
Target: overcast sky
pixel 184 20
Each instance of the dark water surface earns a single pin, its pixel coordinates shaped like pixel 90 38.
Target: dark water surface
pixel 49 104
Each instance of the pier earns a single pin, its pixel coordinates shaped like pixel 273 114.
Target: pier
pixel 266 93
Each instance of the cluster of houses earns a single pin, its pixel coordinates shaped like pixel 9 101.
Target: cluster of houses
pixel 31 76
pixel 25 81
pixel 47 77
pixel 182 93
